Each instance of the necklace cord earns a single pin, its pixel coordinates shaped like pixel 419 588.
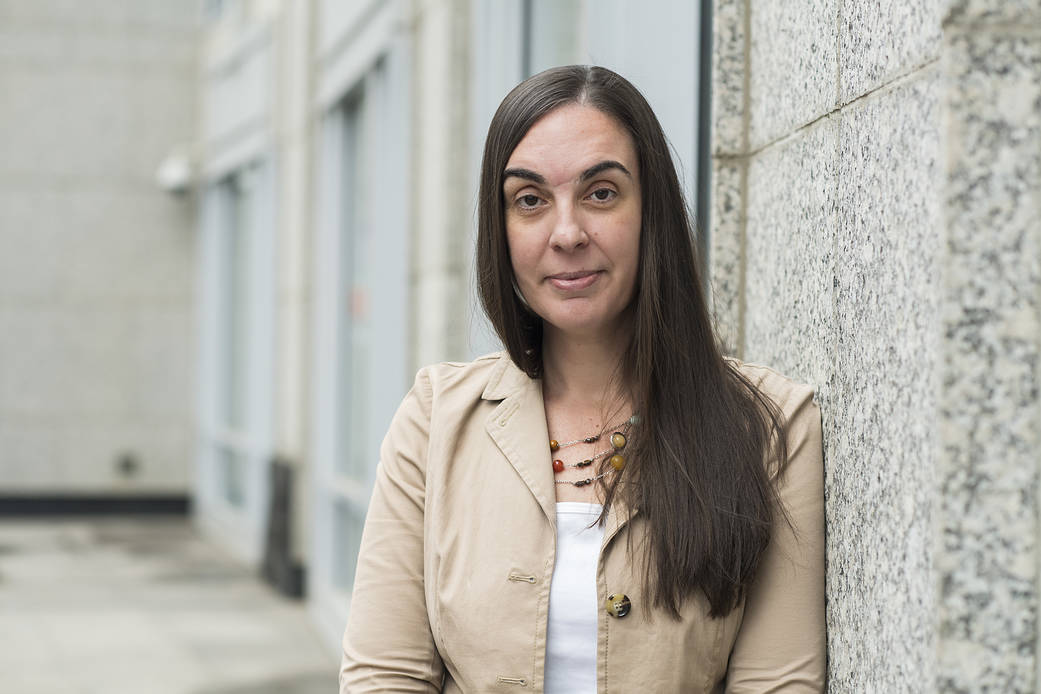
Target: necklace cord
pixel 619 439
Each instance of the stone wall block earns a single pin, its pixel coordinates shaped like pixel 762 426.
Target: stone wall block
pixel 150 15
pixel 1016 12
pixel 140 233
pixel 789 266
pixel 991 402
pixel 727 242
pixel 69 122
pixel 30 452
pixel 89 452
pixel 728 76
pixel 882 39
pixel 35 223
pixel 34 369
pixel 160 336
pixel 92 97
pixel 793 63
pixel 880 423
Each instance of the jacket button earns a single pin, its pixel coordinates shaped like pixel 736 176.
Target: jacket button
pixel 618 605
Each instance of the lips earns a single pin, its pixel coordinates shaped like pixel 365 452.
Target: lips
pixel 574 281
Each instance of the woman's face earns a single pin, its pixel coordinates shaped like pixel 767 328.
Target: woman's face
pixel 572 199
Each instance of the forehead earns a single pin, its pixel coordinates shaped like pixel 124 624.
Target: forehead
pixel 568 140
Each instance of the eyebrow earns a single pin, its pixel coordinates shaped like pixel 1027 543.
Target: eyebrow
pixel 523 173
pixel 593 170
pixel 603 166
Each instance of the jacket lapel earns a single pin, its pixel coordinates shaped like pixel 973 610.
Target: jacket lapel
pixel 617 517
pixel 518 428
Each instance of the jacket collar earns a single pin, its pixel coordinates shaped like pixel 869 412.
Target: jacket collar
pixel 506 379
pixel 518 427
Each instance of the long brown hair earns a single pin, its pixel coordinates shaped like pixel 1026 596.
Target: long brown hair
pixel 708 440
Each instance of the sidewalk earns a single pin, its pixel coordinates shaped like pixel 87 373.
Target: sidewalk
pixel 144 606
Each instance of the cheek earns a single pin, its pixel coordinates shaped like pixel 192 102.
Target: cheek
pixel 636 222
pixel 521 259
pixel 626 235
pixel 628 249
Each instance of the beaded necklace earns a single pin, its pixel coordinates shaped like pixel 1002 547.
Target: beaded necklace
pixel 554 446
pixel 617 460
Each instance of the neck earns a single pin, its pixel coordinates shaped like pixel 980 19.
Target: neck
pixel 583 368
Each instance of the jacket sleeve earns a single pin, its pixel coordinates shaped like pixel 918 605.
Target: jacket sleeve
pixel 781 644
pixel 388 644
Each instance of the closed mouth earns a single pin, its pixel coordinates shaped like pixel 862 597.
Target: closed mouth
pixel 574 281
pixel 573 275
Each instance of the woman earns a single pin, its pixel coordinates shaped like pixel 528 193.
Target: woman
pixel 608 505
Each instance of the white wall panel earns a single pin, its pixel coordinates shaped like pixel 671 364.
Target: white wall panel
pixel 96 262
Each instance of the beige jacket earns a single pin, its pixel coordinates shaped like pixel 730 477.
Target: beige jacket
pixel 453 579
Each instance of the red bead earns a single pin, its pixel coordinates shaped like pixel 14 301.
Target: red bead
pixel 558 466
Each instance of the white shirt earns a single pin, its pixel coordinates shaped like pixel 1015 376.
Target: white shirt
pixel 573 613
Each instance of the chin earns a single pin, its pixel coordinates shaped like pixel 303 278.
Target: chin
pixel 581 325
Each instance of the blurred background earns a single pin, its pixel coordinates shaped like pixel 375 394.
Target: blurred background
pixel 232 230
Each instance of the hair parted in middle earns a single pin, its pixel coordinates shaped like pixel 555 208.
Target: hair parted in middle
pixel 707 436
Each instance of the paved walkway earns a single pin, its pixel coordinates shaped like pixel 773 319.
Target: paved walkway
pixel 144 606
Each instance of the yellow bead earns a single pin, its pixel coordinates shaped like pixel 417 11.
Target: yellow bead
pixel 553 445
pixel 617 461
pixel 618 440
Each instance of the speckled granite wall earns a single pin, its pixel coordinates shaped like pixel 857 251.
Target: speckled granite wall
pixel 882 382
pixel 729 169
pixel 726 252
pixel 991 412
pixel 875 232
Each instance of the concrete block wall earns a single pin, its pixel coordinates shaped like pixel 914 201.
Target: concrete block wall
pixel 96 263
pixel 874 232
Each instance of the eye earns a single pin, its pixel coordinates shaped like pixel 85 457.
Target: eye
pixel 528 202
pixel 603 195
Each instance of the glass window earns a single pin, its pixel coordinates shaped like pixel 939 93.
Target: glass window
pixel 232 471
pixel 551 34
pixel 352 456
pixel 236 298
pixel 363 283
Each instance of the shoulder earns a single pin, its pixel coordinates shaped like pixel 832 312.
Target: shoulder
pixel 459 375
pixel 442 395
pixel 489 377
pixel 795 402
pixel 787 394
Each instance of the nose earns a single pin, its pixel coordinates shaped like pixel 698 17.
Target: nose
pixel 568 231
